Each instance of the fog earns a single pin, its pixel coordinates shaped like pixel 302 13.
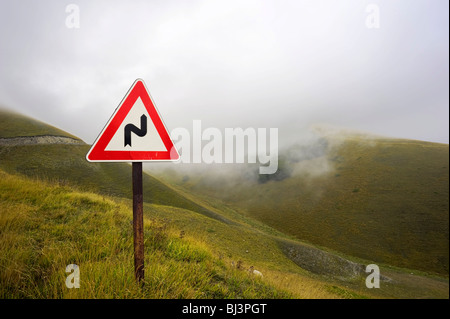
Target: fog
pixel 269 64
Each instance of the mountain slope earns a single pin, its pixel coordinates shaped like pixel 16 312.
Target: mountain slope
pixel 66 164
pixel 384 200
pixel 13 124
pixel 50 218
pixel 62 209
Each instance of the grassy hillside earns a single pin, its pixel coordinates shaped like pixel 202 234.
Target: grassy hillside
pixel 13 124
pixel 44 227
pixel 57 209
pixel 66 164
pixel 384 200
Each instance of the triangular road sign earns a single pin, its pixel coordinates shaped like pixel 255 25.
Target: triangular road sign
pixel 134 133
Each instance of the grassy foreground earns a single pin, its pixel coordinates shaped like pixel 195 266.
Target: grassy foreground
pixel 45 227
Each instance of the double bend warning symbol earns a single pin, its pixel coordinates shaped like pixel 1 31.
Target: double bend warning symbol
pixel 135 132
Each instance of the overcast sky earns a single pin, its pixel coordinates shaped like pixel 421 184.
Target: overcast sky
pixel 285 64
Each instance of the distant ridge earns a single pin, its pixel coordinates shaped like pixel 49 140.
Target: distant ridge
pixel 43 139
pixel 13 124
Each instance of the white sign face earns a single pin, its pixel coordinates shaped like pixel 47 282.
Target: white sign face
pixel 150 141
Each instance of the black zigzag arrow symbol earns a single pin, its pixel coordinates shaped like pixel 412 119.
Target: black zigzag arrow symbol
pixel 136 130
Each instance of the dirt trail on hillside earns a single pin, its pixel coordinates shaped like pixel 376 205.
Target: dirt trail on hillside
pixel 43 139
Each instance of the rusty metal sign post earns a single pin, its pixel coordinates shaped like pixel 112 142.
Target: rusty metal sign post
pixel 138 222
pixel 149 142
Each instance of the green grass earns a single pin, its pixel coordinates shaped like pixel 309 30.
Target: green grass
pixel 66 165
pixel 44 227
